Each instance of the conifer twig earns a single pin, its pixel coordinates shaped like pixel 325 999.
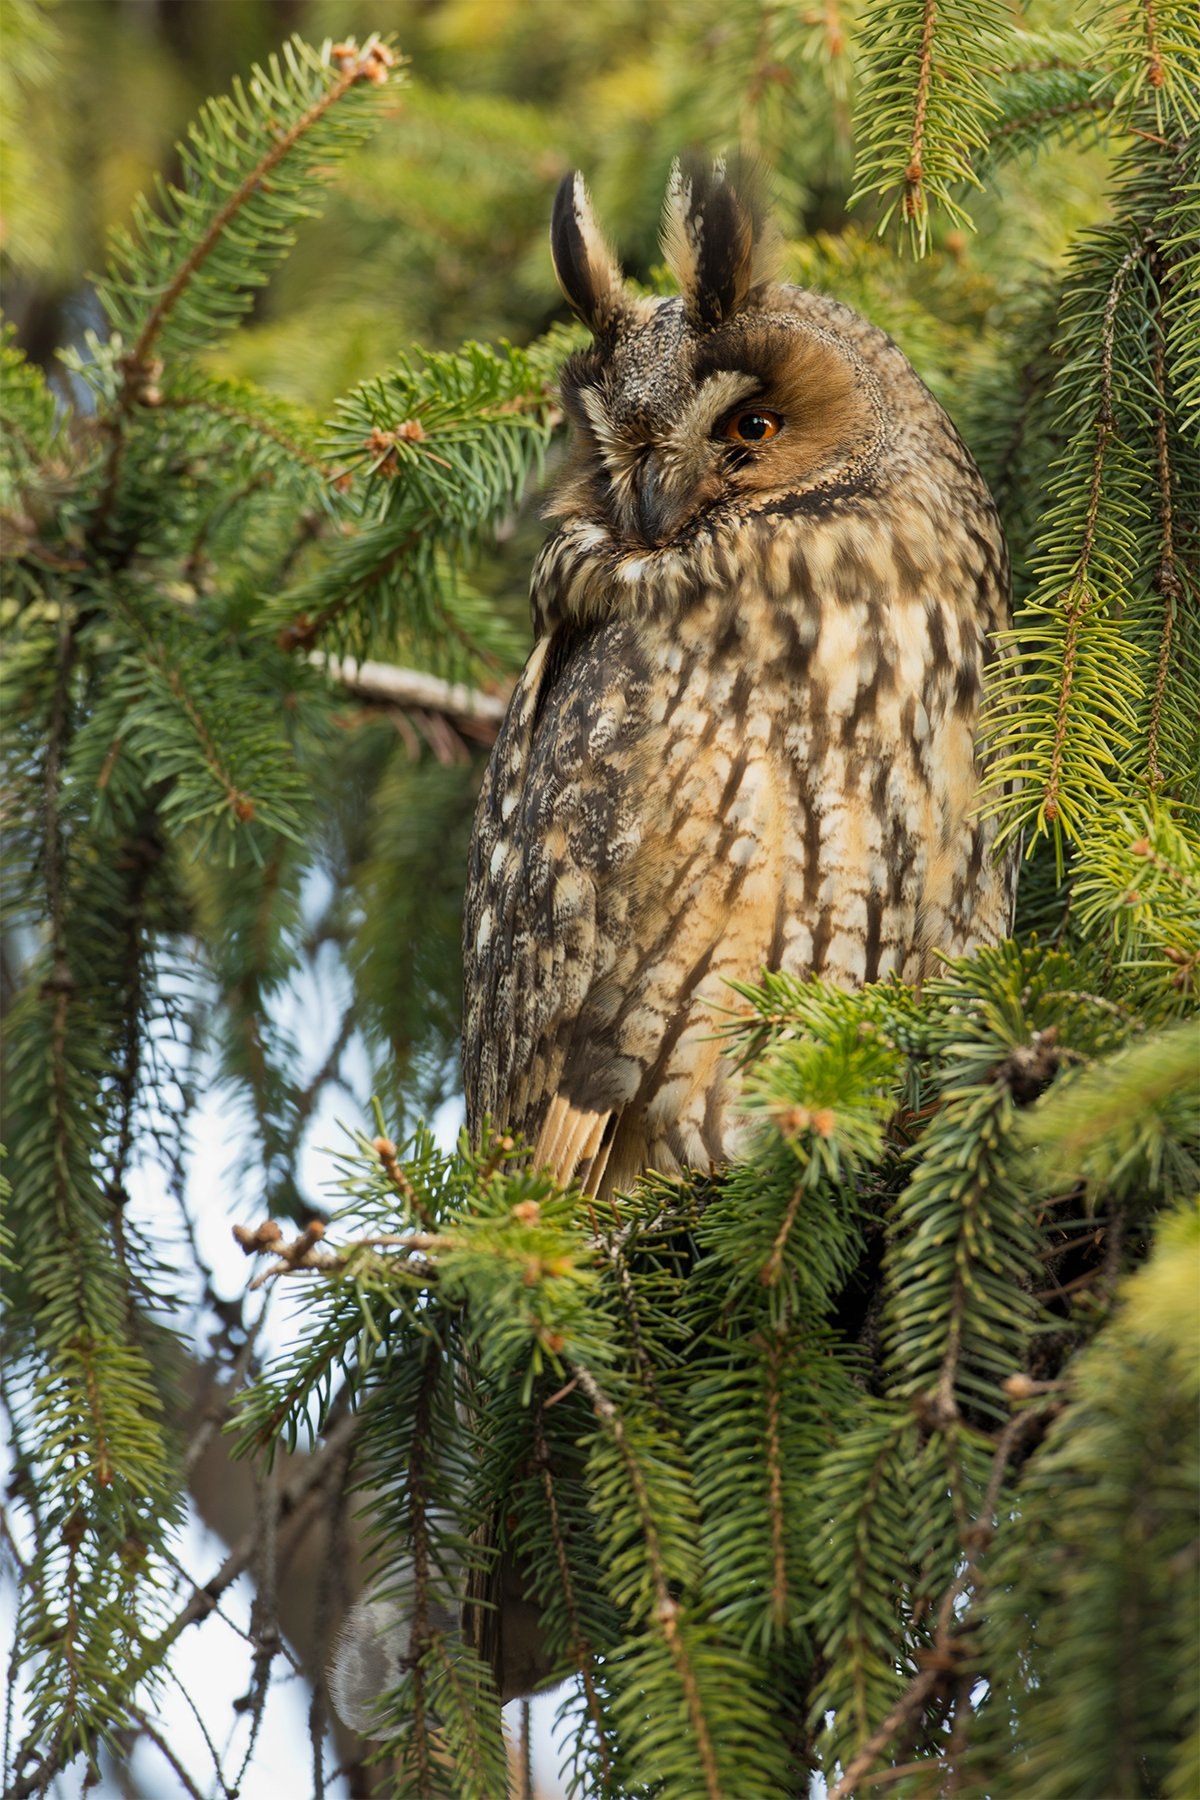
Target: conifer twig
pixel 914 173
pixel 666 1610
pixel 302 631
pixel 419 1634
pixel 296 1497
pixel 1079 596
pixel 581 1654
pixel 779 1571
pixel 222 409
pixel 137 369
pixel 1169 584
pixel 946 1650
pixel 356 66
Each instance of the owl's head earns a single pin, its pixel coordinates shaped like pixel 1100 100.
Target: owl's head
pixel 739 395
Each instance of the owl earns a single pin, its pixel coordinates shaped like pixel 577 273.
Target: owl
pixel 747 737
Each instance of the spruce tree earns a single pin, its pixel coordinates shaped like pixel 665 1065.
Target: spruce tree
pixel 874 1458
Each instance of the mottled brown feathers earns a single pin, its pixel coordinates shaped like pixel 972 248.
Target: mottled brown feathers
pixel 747 735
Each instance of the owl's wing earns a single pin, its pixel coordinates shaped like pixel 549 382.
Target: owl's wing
pixel 539 929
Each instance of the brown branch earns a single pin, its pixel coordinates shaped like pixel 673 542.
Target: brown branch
pixel 149 1730
pixel 773 1266
pixel 1154 64
pixel 914 174
pixel 308 1251
pixel 296 1498
pixel 905 1710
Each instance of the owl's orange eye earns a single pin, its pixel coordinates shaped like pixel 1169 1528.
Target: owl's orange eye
pixel 751 426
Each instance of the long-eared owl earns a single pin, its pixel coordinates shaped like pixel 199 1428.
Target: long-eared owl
pixel 748 734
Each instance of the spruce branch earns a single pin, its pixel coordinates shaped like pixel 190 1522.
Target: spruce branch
pixel 179 288
pixel 859 1545
pixel 914 204
pixel 779 1568
pixel 1169 585
pixel 294 1501
pixel 1080 597
pixel 421 1636
pixel 1061 720
pixel 252 418
pixel 924 109
pixel 580 1651
pixel 433 454
pixel 1084 1653
pixel 665 1613
pixel 949 1649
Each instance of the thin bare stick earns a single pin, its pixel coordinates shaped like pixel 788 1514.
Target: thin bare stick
pixel 412 687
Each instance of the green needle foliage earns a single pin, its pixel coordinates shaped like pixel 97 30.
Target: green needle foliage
pixel 873 1456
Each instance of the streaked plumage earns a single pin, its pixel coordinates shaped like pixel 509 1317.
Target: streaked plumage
pixel 746 736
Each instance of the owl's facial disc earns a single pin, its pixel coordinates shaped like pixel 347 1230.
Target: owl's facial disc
pixel 657 467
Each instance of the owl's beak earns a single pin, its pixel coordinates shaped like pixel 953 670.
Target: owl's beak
pixel 657 506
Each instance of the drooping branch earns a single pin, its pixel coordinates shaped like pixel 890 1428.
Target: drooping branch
pixel 667 1608
pixel 1079 597
pixel 1168 582
pixel 138 369
pixel 914 173
pixel 295 1500
pixel 580 1651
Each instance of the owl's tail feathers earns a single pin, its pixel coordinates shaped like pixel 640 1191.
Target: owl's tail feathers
pixel 572 1144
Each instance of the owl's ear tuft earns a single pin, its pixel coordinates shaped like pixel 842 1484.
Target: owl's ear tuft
pixel 588 272
pixel 716 237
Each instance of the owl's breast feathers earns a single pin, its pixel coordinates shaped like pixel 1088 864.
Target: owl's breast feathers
pixel 765 756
